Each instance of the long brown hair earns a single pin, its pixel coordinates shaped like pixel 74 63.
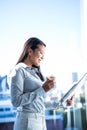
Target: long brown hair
pixel 32 43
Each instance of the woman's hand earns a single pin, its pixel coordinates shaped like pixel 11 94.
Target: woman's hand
pixel 70 101
pixel 49 84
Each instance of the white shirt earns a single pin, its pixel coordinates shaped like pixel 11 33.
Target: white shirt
pixel 27 93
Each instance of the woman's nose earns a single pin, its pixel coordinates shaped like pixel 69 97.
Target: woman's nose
pixel 42 57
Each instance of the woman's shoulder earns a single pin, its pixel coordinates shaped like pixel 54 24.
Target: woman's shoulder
pixel 16 71
pixel 20 67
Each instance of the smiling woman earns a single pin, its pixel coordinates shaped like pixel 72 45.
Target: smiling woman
pixel 29 88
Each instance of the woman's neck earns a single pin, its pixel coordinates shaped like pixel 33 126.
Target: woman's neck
pixel 28 63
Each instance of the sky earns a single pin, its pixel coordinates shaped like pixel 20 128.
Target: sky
pixel 58 23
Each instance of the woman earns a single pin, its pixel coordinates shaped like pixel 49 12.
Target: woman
pixel 29 87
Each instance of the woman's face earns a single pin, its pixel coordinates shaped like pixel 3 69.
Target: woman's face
pixel 37 55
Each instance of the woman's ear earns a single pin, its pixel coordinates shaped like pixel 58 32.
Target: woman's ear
pixel 30 51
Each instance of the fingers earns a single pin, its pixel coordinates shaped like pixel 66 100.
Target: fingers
pixel 49 84
pixel 72 96
pixel 70 101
